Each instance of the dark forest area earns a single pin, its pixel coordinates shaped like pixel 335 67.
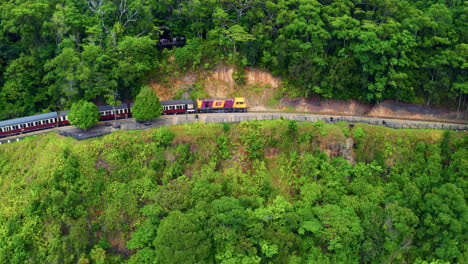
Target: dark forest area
pixel 55 52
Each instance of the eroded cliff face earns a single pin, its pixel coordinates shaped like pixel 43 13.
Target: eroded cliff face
pixel 261 86
pixel 258 88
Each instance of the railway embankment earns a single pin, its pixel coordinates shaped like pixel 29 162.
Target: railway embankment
pixel 107 127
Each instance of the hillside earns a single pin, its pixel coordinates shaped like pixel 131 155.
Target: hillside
pixel 255 192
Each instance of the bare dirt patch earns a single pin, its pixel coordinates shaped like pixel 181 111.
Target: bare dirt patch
pixel 332 106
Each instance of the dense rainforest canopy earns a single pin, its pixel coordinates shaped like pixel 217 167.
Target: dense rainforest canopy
pixel 256 192
pixel 54 52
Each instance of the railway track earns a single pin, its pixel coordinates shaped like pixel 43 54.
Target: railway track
pixel 131 124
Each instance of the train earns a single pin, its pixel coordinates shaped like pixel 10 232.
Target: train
pixel 170 107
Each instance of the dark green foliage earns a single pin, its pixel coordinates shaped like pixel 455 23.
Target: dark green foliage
pixel 181 239
pixel 53 53
pixel 147 105
pixel 224 146
pixel 83 114
pixel 226 127
pixel 445 146
pixel 292 127
pixel 163 137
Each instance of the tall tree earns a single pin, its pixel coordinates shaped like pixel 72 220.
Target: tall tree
pixel 83 114
pixel 147 105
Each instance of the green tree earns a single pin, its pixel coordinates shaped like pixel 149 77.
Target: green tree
pixel 147 105
pixel 83 114
pixel 182 239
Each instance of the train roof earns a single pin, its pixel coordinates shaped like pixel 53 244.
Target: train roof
pixel 215 99
pixel 27 119
pixel 174 102
pixel 109 107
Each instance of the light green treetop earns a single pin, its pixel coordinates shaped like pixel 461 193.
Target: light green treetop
pixel 147 105
pixel 83 114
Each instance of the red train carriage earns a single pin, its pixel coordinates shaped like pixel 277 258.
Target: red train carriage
pixel 107 112
pixel 221 105
pixel 177 107
pixel 28 123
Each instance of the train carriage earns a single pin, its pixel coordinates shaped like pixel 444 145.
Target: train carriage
pixel 221 105
pixel 107 111
pixel 178 107
pixel 28 123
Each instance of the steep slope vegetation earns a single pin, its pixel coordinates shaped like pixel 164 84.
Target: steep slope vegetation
pixel 256 192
